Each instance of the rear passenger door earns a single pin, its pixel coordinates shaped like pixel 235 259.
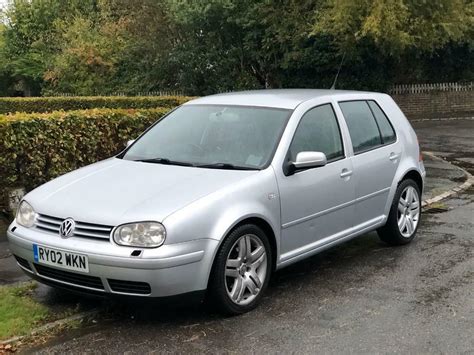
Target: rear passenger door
pixel 376 157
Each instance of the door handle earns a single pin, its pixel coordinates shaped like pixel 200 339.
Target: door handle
pixel 393 156
pixel 345 173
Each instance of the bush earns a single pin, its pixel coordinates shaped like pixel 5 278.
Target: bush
pixel 36 148
pixel 49 104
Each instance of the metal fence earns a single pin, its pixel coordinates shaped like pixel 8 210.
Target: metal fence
pixel 422 88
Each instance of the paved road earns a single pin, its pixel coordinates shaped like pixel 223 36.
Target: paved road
pixel 452 139
pixel 362 297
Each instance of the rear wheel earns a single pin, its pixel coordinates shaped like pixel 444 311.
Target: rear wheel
pixel 241 270
pixel 403 220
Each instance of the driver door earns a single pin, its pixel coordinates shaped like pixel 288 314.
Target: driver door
pixel 317 205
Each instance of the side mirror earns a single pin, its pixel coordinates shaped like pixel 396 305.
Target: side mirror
pixel 130 142
pixel 307 160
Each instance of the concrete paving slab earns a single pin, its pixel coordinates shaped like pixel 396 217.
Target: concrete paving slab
pixel 441 176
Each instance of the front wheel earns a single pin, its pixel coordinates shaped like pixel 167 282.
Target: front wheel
pixel 241 270
pixel 404 217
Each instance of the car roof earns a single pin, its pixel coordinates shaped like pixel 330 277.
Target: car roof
pixel 278 98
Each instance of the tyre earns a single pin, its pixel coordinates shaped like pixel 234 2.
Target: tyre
pixel 241 270
pixel 405 213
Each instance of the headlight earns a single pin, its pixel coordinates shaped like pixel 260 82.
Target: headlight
pixel 26 215
pixel 142 234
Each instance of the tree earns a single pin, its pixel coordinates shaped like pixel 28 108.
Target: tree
pixel 207 46
pixel 31 39
pixel 396 25
pixel 6 79
pixel 87 61
pixel 28 41
pixel 228 45
pixel 122 48
pixel 411 36
pixel 243 43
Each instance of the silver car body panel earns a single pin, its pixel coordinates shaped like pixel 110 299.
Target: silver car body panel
pixel 307 212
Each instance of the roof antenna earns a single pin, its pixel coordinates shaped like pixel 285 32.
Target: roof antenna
pixel 333 87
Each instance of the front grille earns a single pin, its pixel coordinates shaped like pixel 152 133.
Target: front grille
pixel 141 288
pixel 82 229
pixel 70 277
pixel 23 262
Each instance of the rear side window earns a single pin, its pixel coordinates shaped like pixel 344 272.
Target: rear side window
pixel 363 129
pixel 318 131
pixel 386 129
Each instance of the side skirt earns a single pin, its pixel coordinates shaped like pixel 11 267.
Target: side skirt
pixel 328 242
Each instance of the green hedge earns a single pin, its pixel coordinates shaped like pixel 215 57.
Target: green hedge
pixel 49 104
pixel 35 148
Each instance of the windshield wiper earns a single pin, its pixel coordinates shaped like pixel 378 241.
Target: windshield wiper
pixel 226 166
pixel 165 161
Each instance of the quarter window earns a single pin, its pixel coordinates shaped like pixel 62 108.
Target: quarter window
pixel 363 129
pixel 386 129
pixel 318 131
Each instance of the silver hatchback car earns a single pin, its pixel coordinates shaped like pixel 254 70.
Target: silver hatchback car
pixel 222 192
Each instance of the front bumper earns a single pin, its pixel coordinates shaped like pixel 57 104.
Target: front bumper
pixel 422 170
pixel 169 270
pixel 423 175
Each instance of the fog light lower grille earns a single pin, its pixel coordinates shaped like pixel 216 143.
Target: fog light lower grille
pixel 140 288
pixel 23 262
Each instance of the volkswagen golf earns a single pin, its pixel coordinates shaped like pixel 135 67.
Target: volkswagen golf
pixel 222 192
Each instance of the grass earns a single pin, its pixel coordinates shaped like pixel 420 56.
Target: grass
pixel 438 205
pixel 19 312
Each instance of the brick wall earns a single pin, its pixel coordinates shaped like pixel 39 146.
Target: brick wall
pixel 435 100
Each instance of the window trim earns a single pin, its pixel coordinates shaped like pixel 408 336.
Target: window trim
pixel 382 144
pixel 287 155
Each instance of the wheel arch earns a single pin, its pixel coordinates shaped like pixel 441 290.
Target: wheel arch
pixel 262 224
pixel 415 176
pixel 267 229
pixel 407 170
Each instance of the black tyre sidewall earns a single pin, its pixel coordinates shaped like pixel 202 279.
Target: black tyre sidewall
pixel 217 288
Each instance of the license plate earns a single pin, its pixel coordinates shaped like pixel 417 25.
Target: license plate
pixel 60 258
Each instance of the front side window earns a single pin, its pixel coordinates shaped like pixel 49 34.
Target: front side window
pixel 218 135
pixel 363 129
pixel 318 131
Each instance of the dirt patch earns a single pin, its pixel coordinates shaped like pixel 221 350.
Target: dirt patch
pixel 441 294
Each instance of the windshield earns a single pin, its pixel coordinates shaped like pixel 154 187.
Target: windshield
pixel 213 136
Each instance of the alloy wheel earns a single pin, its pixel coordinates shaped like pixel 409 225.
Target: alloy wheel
pixel 246 269
pixel 408 211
